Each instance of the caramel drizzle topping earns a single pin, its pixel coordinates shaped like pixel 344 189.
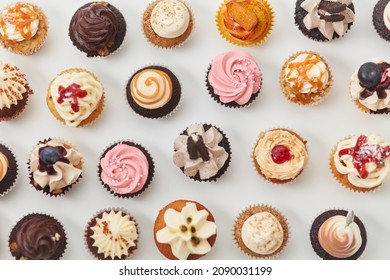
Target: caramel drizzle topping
pixel 157 95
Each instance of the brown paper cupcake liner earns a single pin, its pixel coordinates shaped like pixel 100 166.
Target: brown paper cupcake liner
pixel 46 190
pixel 11 177
pixel 273 181
pixel 151 169
pixel 318 220
pixel 241 43
pixel 305 100
pixel 225 144
pixel 254 209
pixel 88 241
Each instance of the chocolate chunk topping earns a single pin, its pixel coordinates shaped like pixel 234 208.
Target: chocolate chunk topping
pixel 196 148
pixel 333 18
pixel 332 7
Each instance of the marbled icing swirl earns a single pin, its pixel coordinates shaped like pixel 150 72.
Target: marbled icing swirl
pixel 12 85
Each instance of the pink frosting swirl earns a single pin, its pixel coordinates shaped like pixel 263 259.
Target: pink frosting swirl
pixel 125 169
pixel 234 76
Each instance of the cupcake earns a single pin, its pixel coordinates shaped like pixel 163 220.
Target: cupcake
pixel 75 97
pixel 202 152
pixel 153 92
pixel 370 87
pixel 8 170
pixel 361 163
pixel 126 169
pixel 55 166
pixel 381 18
pixel 280 155
pixel 338 235
pixel 37 237
pixel 14 92
pixel 261 232
pixel 306 78
pixel 112 234
pixel 23 28
pixel 245 22
pixel 168 23
pixel 324 20
pixel 184 230
pixel 234 79
pixel 97 29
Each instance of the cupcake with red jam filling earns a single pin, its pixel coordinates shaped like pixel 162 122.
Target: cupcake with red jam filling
pixel 370 87
pixel 234 79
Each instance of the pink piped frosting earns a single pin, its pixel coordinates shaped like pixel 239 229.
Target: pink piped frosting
pixel 235 76
pixel 124 169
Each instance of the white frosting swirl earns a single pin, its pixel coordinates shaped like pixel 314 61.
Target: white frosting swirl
pixel 87 104
pixel 386 16
pixel 262 233
pixel 151 88
pixel 170 18
pixel 12 85
pixel 187 231
pixel 114 234
pixel 345 165
pixel 288 169
pixel 3 166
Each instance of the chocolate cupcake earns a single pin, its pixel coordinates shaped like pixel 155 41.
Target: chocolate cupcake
pixel 55 166
pixel 126 169
pixel 153 92
pixel 338 235
pixel 37 237
pixel 14 92
pixel 381 18
pixel 112 234
pixel 184 230
pixel 324 20
pixel 97 29
pixel 202 152
pixel 8 170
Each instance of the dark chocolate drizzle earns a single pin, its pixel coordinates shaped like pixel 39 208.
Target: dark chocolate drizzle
pixel 48 167
pixel 380 89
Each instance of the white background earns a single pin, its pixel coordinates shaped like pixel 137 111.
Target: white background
pixel 322 125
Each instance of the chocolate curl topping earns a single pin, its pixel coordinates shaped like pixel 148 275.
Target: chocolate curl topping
pixel 196 148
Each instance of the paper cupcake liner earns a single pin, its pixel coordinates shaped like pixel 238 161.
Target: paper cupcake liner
pixel 172 45
pixel 24 48
pixel 178 205
pixel 225 144
pixel 254 209
pixel 233 104
pixel 313 233
pixel 12 232
pixel 11 177
pixel 91 119
pixel 343 178
pixel 273 181
pixel 314 34
pixel 231 39
pixel 88 241
pixel 378 21
pixel 64 189
pixel 168 109
pixel 151 169
pixel 311 102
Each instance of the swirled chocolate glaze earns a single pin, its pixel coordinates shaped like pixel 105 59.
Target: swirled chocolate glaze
pixel 38 237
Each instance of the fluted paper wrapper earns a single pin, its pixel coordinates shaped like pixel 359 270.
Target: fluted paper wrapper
pixel 11 177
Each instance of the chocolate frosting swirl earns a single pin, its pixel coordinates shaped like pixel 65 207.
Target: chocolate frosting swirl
pixel 95 26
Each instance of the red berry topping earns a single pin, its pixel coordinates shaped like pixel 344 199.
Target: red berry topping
pixel 71 94
pixel 280 154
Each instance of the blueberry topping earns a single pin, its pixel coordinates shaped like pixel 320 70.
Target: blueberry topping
pixel 50 155
pixel 370 74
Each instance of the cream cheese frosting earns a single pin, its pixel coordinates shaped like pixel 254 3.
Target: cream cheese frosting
pixel 199 152
pixel 262 233
pixel 70 83
pixel 328 17
pixel 339 239
pixel 12 85
pixel 4 165
pixel 187 231
pixel 288 169
pixel 170 18
pixel 364 159
pixel 65 172
pixel 19 22
pixel 151 88
pixel 386 16
pixel 234 76
pixel 114 234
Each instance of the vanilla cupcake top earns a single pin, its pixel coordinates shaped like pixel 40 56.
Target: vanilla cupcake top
pixel 19 22
pixel 76 94
pixel 12 85
pixel 4 165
